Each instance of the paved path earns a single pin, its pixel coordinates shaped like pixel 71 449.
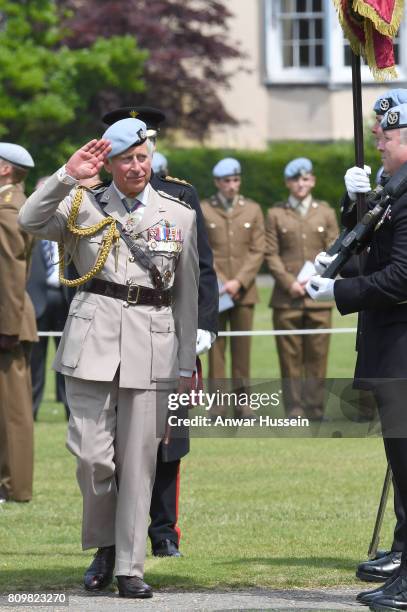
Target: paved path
pixel 305 600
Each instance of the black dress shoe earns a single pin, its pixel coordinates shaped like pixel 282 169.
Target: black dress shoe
pixel 393 598
pixel 379 569
pixel 133 587
pixel 100 572
pixel 166 548
pixel 367 597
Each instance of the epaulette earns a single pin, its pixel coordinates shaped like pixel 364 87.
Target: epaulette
pixel 171 179
pixel 173 198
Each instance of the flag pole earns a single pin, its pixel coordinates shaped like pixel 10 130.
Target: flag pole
pixel 358 128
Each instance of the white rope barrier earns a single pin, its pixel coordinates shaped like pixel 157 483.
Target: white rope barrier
pixel 266 332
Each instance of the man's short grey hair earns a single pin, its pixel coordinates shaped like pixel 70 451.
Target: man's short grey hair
pixel 403 136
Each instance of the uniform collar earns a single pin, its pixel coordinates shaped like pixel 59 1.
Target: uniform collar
pixel 4 187
pixel 141 197
pixel 225 203
pixel 297 204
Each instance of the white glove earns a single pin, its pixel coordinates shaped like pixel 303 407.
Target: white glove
pixel 320 289
pixel 203 341
pixel 357 181
pixel 322 261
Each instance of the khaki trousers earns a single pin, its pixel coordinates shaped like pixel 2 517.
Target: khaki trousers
pixel 113 434
pixel 16 423
pixel 240 318
pixel 303 359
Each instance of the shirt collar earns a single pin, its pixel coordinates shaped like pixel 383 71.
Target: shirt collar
pixel 304 204
pixel 227 204
pixel 142 197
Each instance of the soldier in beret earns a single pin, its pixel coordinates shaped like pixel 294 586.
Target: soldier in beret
pixel 380 294
pixel 130 335
pixel 386 563
pixel 17 331
pixel 235 227
pixel 295 231
pixel 164 531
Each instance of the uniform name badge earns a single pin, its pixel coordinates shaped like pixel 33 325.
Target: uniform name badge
pixel 165 238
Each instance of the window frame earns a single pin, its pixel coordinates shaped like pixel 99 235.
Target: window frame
pixel 334 72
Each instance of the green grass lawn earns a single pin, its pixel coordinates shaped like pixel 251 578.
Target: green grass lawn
pixel 254 512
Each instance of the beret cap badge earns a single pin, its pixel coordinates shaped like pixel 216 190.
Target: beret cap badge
pixel 393 118
pixel 384 104
pixel 133 114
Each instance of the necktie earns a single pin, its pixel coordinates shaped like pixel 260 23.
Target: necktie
pixel 131 204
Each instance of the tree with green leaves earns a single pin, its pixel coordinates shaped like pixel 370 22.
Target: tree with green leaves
pixel 189 50
pixel 51 96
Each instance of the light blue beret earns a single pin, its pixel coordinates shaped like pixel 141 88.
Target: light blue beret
pixel 393 97
pixel 296 167
pixel 227 167
pixel 395 118
pixel 160 163
pixel 16 154
pixel 124 134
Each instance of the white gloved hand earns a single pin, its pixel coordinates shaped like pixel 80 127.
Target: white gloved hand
pixel 320 289
pixel 357 181
pixel 203 341
pixel 322 261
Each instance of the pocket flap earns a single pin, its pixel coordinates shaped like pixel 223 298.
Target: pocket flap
pixel 162 324
pixel 82 310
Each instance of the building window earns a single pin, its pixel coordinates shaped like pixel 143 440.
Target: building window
pixel 295 40
pixel 304 44
pixel 302 33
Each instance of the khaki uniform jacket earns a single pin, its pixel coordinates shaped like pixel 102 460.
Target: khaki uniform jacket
pixel 17 316
pixel 291 240
pixel 237 241
pixel 101 333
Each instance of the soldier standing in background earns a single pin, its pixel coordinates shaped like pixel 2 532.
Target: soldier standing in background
pixel 235 227
pixel 296 230
pixel 17 331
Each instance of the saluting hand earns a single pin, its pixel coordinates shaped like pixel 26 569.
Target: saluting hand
pixel 88 160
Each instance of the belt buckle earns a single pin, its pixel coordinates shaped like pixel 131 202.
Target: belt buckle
pixel 129 293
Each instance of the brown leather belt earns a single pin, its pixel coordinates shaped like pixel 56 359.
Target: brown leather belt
pixel 135 295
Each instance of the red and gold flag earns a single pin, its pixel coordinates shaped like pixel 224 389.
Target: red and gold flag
pixel 370 26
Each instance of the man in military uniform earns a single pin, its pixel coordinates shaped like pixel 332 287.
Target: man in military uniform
pixel 164 531
pixel 381 295
pixel 17 331
pixel 131 334
pixel 235 228
pixel 386 563
pixel 296 230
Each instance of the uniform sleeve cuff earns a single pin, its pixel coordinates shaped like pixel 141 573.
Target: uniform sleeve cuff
pixel 65 178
